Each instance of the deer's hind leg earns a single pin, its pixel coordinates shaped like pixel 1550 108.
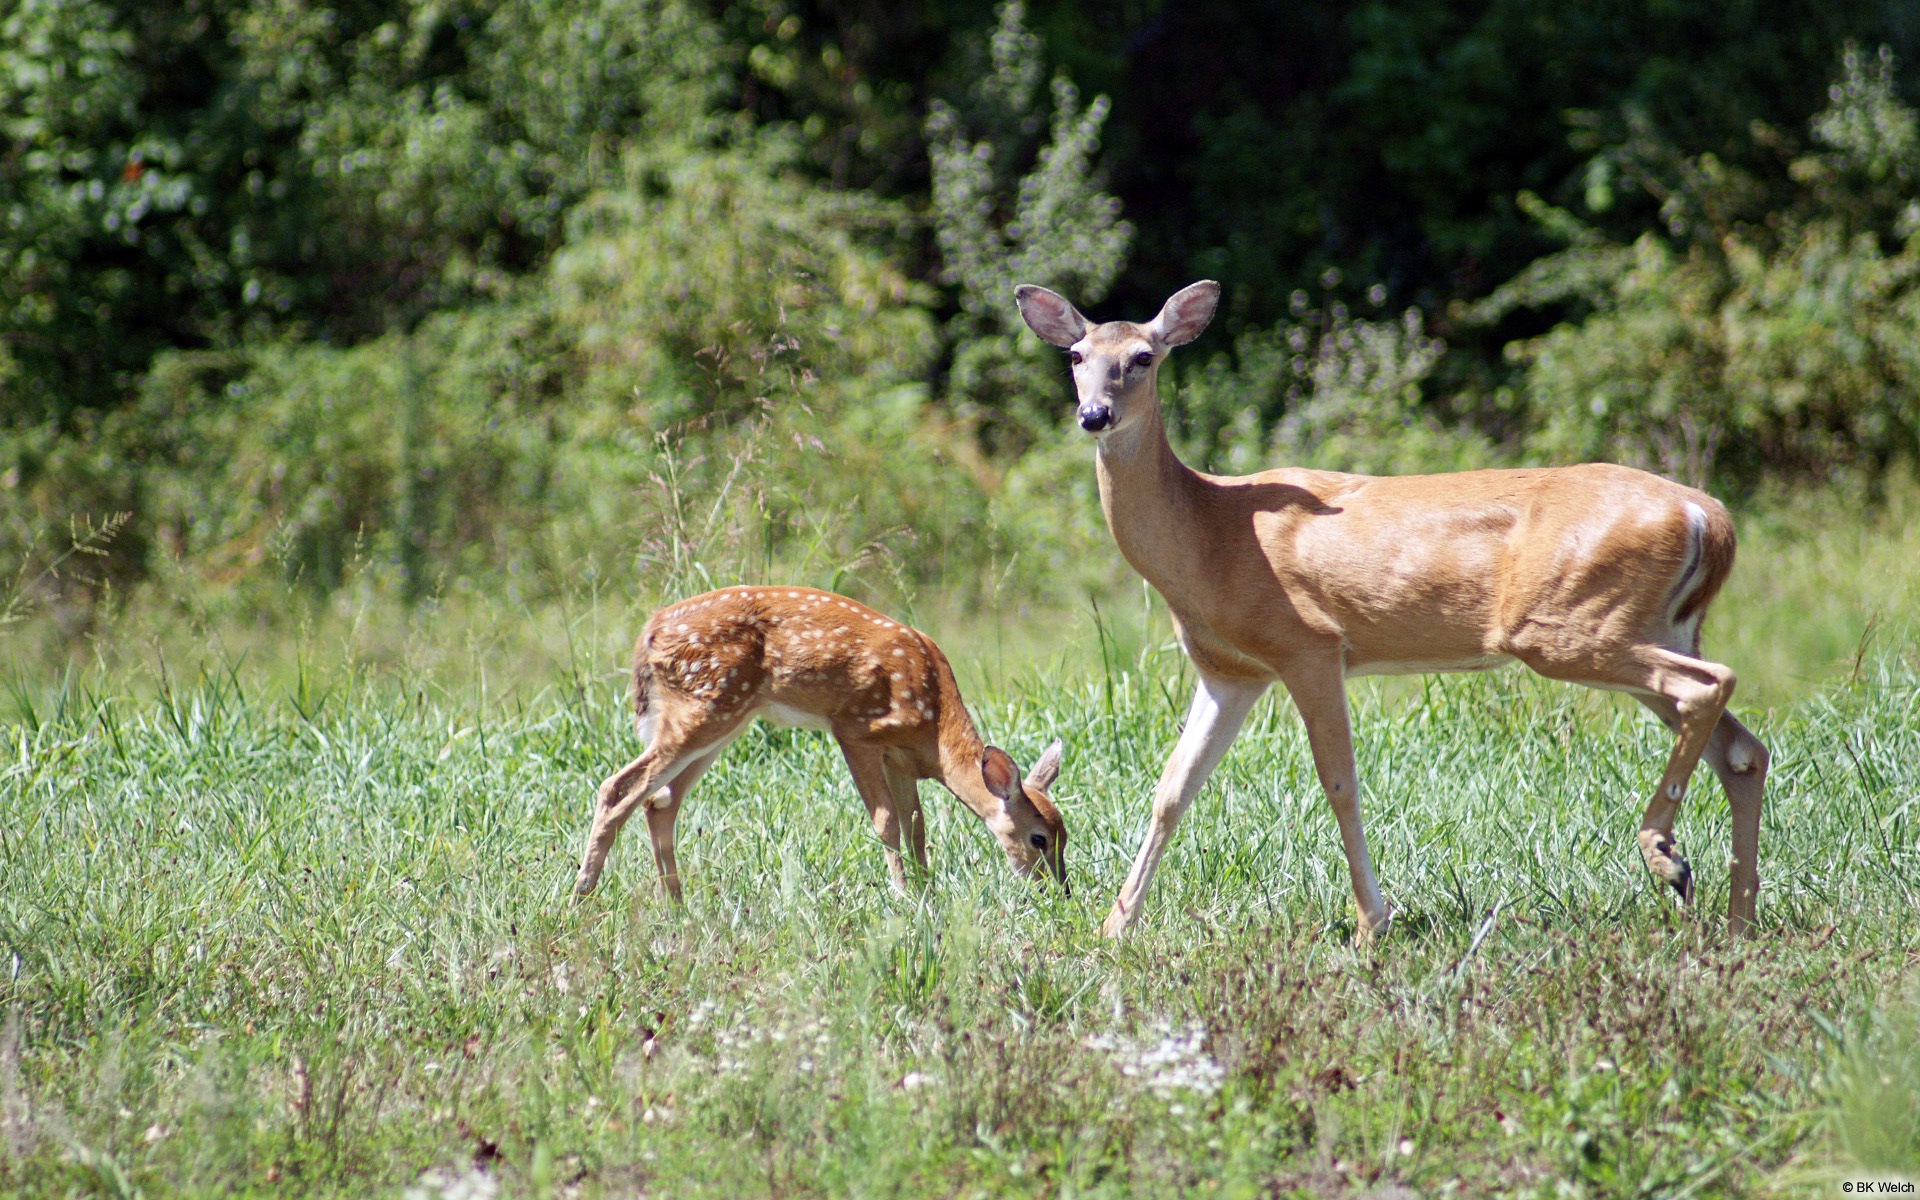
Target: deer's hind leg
pixel 675 748
pixel 1740 760
pixel 1689 695
pixel 664 810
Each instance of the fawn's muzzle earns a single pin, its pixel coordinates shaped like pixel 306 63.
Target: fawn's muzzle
pixel 1095 417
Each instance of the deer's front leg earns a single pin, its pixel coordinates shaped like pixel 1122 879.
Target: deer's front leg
pixel 1219 708
pixel 1321 697
pixel 622 792
pixel 906 802
pixel 870 778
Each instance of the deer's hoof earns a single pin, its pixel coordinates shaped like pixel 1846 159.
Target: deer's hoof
pixel 1367 930
pixel 1681 879
pixel 1665 860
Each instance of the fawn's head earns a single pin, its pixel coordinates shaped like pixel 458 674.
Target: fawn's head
pixel 1033 833
pixel 1115 365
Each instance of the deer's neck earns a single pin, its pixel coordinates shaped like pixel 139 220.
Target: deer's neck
pixel 961 749
pixel 1151 499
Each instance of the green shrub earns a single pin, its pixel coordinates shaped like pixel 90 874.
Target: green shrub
pixel 1008 209
pixel 1750 341
pixel 1325 389
pixel 711 284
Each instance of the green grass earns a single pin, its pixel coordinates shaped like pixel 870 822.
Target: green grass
pixel 1821 579
pixel 315 939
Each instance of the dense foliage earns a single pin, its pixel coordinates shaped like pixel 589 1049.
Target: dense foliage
pixel 454 291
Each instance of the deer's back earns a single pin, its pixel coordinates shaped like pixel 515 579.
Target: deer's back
pixel 801 655
pixel 1444 571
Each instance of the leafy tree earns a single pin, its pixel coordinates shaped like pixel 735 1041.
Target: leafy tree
pixel 1326 388
pixel 193 175
pixel 1768 330
pixel 999 222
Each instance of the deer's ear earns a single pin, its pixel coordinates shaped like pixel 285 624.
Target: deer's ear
pixel 1050 315
pixel 1002 777
pixel 1048 768
pixel 1186 313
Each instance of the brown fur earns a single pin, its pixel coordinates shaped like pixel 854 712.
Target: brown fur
pixel 1306 577
pixel 705 667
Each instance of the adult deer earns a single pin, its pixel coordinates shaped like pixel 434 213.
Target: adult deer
pixel 705 667
pixel 1595 574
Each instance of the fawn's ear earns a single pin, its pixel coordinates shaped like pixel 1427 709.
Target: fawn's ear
pixel 1003 778
pixel 1048 768
pixel 1050 315
pixel 1185 314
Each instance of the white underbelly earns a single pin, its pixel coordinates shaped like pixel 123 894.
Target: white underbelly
pixel 1481 662
pixel 781 714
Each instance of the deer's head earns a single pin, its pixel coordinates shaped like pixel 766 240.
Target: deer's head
pixel 1033 833
pixel 1115 365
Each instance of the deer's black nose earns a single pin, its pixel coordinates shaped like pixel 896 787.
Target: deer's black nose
pixel 1094 418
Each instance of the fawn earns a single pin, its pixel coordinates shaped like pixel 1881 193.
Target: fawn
pixel 705 667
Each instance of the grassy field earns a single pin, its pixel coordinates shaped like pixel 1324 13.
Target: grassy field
pixel 315 939
pixel 1820 577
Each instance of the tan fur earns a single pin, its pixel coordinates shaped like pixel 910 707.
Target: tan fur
pixel 1597 574
pixel 705 667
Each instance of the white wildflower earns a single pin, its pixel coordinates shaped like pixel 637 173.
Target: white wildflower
pixel 1172 1065
pixel 448 1184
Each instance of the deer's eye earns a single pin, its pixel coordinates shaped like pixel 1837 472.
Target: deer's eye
pixel 1073 356
pixel 1038 841
pixel 1143 360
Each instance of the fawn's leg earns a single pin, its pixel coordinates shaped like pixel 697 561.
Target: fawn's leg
pixel 870 779
pixel 674 748
pixel 664 810
pixel 906 802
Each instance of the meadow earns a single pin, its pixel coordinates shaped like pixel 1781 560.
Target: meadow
pixel 369 370
pixel 301 926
